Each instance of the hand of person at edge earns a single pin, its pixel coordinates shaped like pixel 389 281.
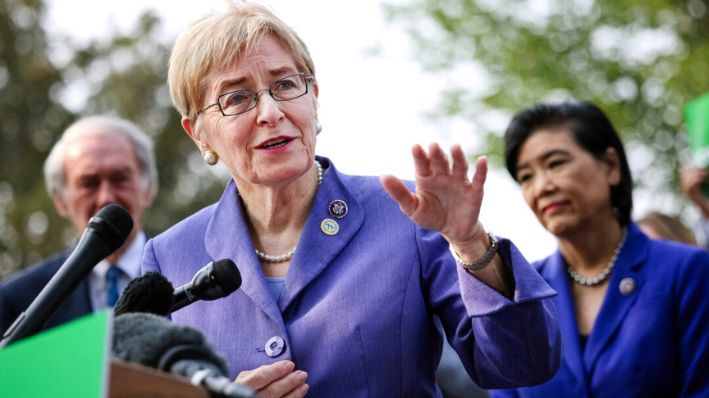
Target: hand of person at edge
pixel 691 183
pixel 445 199
pixel 275 380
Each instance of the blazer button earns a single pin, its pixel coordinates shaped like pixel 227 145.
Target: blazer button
pixel 275 346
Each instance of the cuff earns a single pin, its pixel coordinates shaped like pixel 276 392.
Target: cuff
pixel 481 300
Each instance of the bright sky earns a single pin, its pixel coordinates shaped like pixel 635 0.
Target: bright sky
pixel 373 94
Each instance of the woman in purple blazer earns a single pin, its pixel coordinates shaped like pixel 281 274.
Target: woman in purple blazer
pixel 340 282
pixel 634 313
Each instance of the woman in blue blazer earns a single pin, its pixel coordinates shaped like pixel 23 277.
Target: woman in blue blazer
pixel 634 312
pixel 340 282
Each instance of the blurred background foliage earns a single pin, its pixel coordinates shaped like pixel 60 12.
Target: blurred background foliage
pixel 640 60
pixel 41 79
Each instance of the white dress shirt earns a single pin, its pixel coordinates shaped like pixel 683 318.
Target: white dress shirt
pixel 129 263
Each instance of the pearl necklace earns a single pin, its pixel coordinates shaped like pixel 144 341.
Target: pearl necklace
pixel 287 256
pixel 606 271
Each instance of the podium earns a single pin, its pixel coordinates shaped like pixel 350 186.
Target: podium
pixel 128 380
pixel 73 360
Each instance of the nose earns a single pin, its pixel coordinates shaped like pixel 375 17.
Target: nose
pixel 542 183
pixel 106 194
pixel 268 109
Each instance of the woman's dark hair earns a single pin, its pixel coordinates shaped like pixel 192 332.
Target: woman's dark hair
pixel 589 127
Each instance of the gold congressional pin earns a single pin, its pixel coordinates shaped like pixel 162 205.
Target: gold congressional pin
pixel 329 226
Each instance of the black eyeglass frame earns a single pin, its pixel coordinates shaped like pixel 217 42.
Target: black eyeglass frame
pixel 256 94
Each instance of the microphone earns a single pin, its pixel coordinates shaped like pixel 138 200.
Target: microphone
pixel 106 232
pixel 153 341
pixel 215 280
pixel 154 294
pixel 150 293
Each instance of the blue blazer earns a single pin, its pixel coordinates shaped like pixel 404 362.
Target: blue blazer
pixel 356 311
pixel 19 290
pixel 650 342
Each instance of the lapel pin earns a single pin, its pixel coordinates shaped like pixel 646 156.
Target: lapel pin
pixel 337 208
pixel 627 286
pixel 329 227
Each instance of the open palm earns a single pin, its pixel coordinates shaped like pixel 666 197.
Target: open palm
pixel 445 199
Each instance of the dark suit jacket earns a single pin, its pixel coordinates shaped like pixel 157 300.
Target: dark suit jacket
pixel 18 291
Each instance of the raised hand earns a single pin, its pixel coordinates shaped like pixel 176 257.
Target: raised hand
pixel 445 199
pixel 691 183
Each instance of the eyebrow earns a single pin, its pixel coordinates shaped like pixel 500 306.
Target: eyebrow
pixel 230 82
pixel 545 156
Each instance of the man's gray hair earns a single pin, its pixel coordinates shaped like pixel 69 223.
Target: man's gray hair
pixel 97 125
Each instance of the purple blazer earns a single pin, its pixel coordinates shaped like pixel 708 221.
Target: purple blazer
pixel 357 309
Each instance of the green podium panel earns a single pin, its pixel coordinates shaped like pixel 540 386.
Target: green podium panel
pixel 70 360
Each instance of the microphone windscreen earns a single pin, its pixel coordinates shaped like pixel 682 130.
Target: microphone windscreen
pixel 113 223
pixel 145 338
pixel 228 275
pixel 151 293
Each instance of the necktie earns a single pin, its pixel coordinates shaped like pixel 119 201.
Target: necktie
pixel 112 276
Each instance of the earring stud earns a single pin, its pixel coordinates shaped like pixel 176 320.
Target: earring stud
pixel 210 157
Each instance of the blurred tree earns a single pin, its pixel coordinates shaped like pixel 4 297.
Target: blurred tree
pixel 125 75
pixel 640 61
pixel 30 119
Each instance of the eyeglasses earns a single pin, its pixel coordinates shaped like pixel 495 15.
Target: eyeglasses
pixel 240 101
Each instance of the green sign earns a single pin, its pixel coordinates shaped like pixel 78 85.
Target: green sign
pixel 69 361
pixel 696 115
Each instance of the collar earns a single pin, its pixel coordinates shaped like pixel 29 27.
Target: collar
pixel 129 262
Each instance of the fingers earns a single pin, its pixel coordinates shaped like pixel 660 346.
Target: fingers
pixel 398 191
pixel 276 380
pixel 436 161
pixel 422 163
pixel 692 178
pixel 439 159
pixel 262 376
pixel 460 162
pixel 480 173
pixel 298 392
pixel 291 385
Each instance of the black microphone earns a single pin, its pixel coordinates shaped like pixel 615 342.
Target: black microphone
pixel 154 294
pixel 150 293
pixel 106 232
pixel 153 341
pixel 215 280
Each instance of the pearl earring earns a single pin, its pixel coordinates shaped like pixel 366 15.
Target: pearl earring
pixel 318 127
pixel 210 157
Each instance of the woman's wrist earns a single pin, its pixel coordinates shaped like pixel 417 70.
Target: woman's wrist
pixel 476 255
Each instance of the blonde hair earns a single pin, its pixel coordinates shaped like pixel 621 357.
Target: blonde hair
pixel 218 39
pixel 668 227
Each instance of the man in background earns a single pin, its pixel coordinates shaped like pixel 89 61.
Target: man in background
pixel 98 160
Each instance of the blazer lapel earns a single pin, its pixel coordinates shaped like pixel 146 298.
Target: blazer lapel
pixel 615 304
pixel 555 274
pixel 227 221
pixel 316 249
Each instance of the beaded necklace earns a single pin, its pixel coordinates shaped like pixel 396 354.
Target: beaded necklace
pixel 581 280
pixel 286 256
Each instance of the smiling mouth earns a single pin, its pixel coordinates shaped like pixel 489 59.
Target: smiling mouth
pixel 275 143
